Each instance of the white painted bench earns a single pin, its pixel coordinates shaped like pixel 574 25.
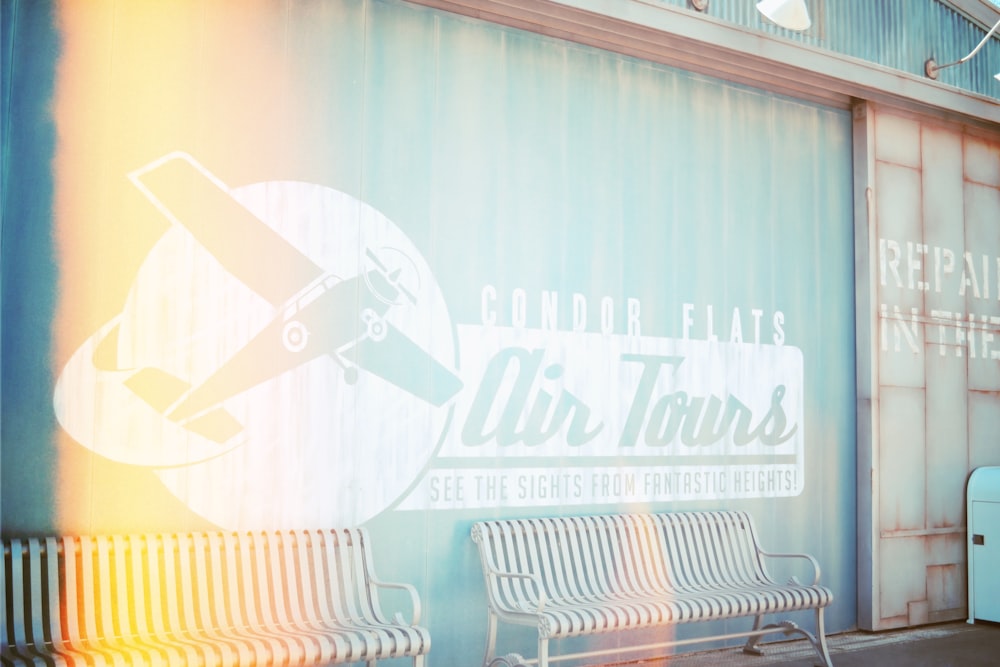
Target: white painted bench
pixel 207 599
pixel 572 576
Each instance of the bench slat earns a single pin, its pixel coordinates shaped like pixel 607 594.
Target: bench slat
pixel 17 582
pixel 341 605
pixel 5 632
pixel 176 557
pixel 150 555
pixel 312 568
pixel 241 578
pixel 257 569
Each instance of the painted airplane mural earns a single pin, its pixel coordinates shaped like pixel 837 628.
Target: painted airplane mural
pixel 281 336
pixel 317 311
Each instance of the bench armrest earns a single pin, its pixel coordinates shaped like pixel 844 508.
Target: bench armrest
pixel 539 591
pixel 414 599
pixel 813 561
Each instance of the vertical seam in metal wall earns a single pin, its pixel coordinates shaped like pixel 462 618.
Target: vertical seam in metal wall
pixel 923 332
pixel 360 194
pixel 8 61
pixel 6 77
pixel 866 496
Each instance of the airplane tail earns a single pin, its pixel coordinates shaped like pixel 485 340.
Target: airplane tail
pixel 157 387
pixel 161 390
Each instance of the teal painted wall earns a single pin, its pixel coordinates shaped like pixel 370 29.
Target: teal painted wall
pixel 542 221
pixel 28 274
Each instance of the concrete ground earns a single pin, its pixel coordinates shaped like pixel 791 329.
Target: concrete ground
pixel 955 644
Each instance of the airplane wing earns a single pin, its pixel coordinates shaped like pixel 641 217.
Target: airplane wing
pixel 190 196
pixel 400 361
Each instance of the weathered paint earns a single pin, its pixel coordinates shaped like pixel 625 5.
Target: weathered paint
pixel 932 269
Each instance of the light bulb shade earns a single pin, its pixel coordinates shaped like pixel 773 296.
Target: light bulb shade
pixel 790 14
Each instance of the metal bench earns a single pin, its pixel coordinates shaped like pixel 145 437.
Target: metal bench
pixel 206 599
pixel 572 576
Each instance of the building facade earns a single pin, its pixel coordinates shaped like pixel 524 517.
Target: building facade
pixel 496 259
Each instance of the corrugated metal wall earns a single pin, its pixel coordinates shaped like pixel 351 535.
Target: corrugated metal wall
pixel 572 213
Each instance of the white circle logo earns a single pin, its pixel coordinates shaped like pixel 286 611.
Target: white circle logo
pixel 284 358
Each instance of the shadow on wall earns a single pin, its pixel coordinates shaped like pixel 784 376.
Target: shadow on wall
pixel 28 286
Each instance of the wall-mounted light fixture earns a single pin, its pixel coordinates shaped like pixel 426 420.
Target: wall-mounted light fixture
pixel 789 14
pixel 931 68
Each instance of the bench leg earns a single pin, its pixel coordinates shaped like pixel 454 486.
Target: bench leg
pixel 491 638
pixel 543 652
pixel 820 643
pixel 751 645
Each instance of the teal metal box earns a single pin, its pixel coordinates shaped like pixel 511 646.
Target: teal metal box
pixel 984 544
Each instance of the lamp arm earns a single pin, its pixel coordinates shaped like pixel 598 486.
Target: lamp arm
pixel 973 52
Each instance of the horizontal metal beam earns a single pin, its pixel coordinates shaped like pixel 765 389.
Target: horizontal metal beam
pixel 689 40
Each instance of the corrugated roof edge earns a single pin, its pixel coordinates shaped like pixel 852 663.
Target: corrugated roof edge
pixel 686 39
pixel 982 12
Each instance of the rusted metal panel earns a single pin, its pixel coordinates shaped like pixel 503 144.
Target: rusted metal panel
pixel 935 412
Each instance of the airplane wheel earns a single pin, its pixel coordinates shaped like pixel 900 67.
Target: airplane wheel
pixel 377 328
pixel 295 336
